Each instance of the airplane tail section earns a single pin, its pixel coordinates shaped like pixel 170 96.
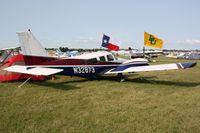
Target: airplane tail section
pixel 30 45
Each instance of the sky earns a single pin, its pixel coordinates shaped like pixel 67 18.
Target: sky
pixel 82 23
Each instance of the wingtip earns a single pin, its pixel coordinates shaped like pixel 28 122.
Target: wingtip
pixel 188 64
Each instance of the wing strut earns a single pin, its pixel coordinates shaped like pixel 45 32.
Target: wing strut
pixel 24 82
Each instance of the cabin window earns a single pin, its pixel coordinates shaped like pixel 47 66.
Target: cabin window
pixel 110 57
pixel 102 58
pixel 93 60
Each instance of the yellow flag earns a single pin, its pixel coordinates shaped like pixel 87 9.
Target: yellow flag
pixel 153 41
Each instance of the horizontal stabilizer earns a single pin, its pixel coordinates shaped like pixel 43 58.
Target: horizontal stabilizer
pixel 33 70
pixel 121 69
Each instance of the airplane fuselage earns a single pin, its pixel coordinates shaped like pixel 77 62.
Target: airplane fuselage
pixel 79 67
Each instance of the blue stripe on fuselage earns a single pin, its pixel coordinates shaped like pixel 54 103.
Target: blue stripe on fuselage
pixel 125 66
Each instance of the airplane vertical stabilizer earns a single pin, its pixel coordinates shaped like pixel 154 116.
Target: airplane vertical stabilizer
pixel 30 45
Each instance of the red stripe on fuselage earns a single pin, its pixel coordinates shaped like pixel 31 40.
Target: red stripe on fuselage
pixel 37 60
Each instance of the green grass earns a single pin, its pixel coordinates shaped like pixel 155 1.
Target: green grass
pixel 165 101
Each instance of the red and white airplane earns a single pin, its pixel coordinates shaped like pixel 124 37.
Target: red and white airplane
pixel 37 62
pixel 12 56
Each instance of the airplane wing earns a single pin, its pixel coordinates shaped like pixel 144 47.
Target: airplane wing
pixel 33 70
pixel 129 69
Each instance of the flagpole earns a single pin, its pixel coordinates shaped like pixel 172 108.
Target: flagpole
pixel 144 46
pixel 144 51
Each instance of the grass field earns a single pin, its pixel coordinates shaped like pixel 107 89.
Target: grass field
pixel 165 101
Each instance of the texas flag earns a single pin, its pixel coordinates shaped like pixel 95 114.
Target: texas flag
pixel 107 44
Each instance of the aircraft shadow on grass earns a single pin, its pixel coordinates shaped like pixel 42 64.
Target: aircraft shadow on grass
pixel 65 85
pixel 60 86
pixel 164 82
pixel 153 80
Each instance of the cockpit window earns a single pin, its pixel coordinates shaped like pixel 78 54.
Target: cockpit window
pixel 110 57
pixel 102 58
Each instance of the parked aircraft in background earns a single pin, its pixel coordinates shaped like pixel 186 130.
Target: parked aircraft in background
pixel 68 54
pixel 11 56
pixel 192 55
pixel 87 65
pixel 133 53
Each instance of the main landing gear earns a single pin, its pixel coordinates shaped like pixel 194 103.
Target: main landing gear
pixel 120 77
